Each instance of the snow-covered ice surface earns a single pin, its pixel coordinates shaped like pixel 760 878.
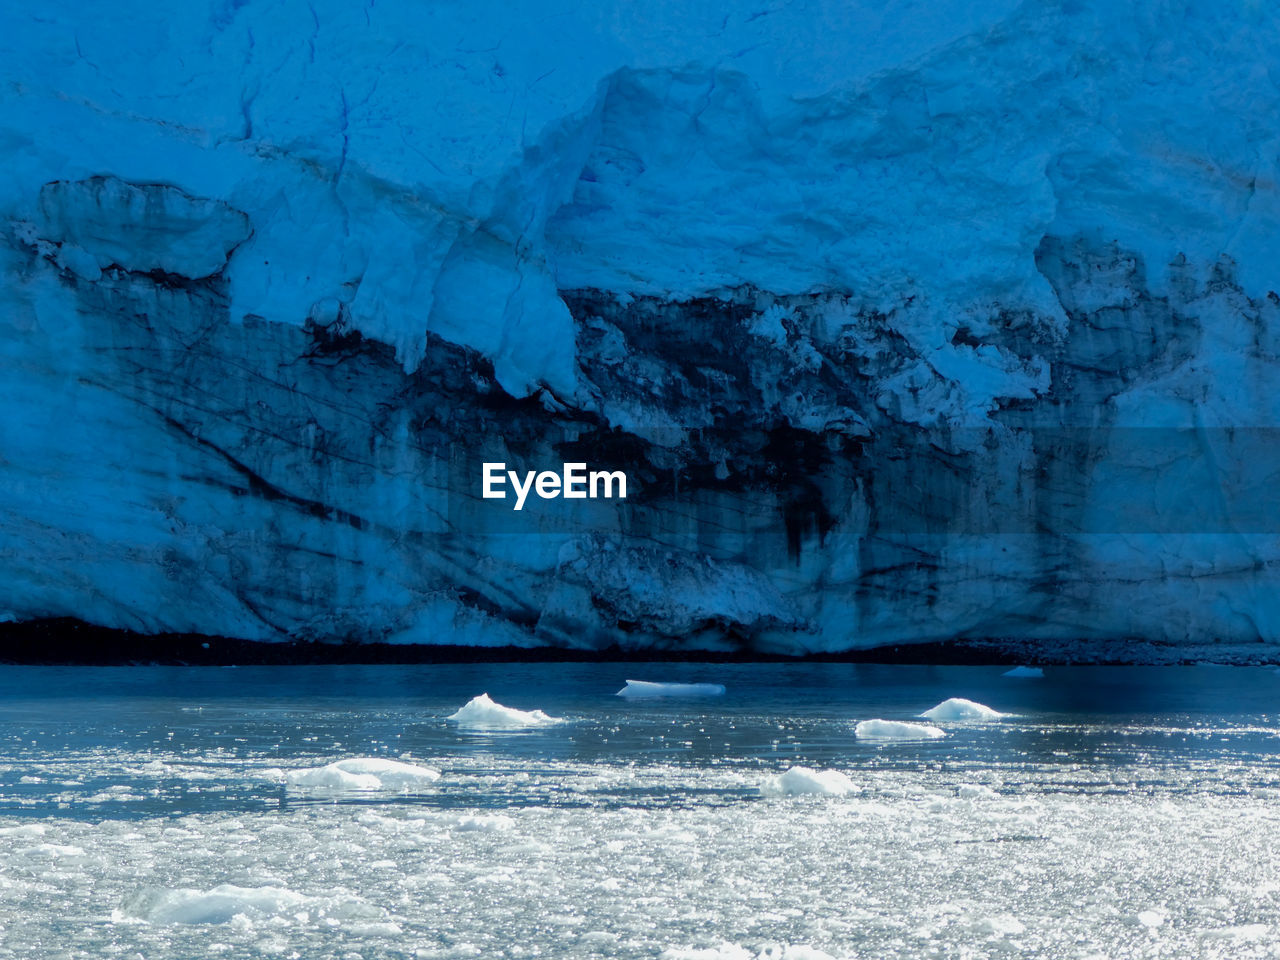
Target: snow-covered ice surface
pixel 482 713
pixel 958 708
pixel 1116 812
pixel 643 689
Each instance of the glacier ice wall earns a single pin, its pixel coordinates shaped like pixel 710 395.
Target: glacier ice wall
pixel 919 321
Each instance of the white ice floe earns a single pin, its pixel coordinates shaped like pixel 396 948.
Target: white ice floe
pixel 958 708
pixel 25 830
pixel 975 791
pixel 1027 673
pixel 1002 925
pixel 1248 931
pixel 896 730
pixel 364 773
pixel 802 780
pixel 481 713
pixel 50 851
pixel 480 823
pixel 226 902
pixel 219 905
pixel 639 689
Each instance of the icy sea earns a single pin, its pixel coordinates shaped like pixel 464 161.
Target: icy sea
pixel 157 812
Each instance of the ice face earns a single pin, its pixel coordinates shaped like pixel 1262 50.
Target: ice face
pixel 885 322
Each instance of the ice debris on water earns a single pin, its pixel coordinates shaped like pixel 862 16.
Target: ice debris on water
pixel 802 780
pixel 364 773
pixel 896 730
pixel 639 689
pixel 958 708
pixel 482 713
pixel 1027 673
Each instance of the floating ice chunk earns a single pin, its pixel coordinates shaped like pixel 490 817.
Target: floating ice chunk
pixel 802 780
pixel 958 708
pixel 639 689
pixel 481 713
pixel 384 928
pixel 896 730
pixel 1002 925
pixel 1248 931
pixel 227 902
pixel 1151 919
pixel 219 905
pixel 975 791
pixel 26 830
pixel 495 823
pixel 364 773
pixel 50 851
pixel 1028 673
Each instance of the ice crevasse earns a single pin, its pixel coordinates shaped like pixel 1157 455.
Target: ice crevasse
pixel 943 322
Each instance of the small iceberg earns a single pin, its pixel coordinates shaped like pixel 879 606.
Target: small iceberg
pixel 1028 673
pixel 896 730
pixel 481 713
pixel 364 773
pixel 639 689
pixel 958 708
pixel 799 781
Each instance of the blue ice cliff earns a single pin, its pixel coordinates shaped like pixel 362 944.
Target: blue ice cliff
pixel 920 321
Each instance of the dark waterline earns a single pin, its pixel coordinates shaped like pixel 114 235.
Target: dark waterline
pixel 68 642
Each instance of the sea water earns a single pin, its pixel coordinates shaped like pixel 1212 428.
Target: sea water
pixel 157 812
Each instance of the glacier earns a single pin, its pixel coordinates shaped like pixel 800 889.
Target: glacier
pixel 920 322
